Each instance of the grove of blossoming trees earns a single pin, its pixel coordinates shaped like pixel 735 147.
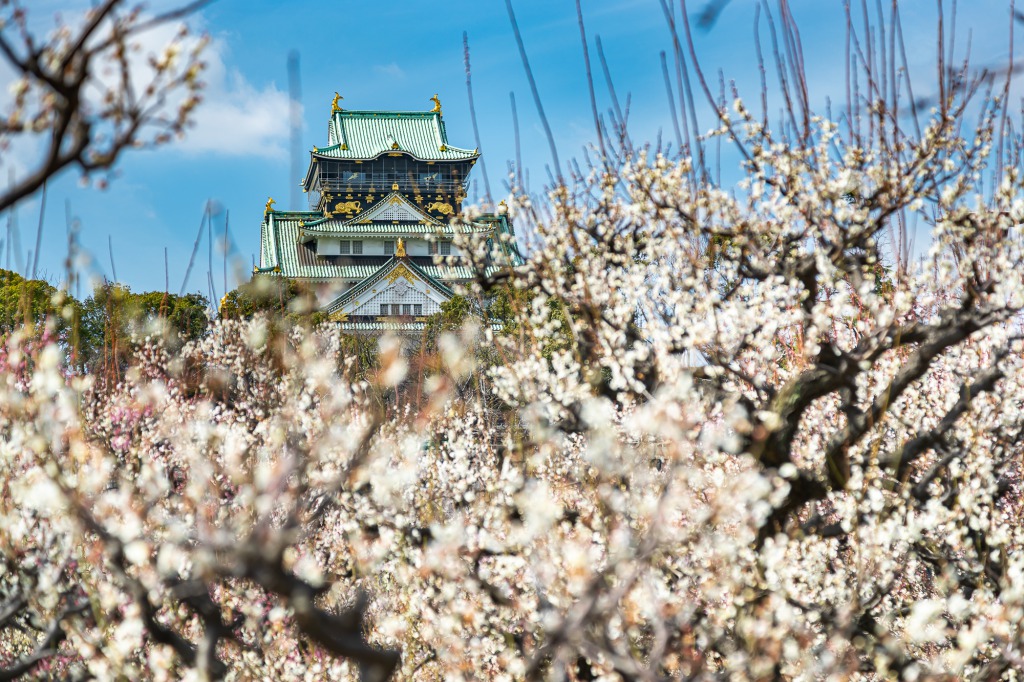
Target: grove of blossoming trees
pixel 723 432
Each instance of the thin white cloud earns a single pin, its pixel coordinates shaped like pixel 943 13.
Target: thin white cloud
pixel 391 70
pixel 235 118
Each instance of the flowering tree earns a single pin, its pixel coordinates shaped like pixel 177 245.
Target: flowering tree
pixel 720 434
pixel 83 95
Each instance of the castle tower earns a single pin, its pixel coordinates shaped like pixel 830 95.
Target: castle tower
pixel 382 196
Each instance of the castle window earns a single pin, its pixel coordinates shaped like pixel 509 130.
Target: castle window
pixel 407 309
pixel 418 308
pixel 344 247
pixel 446 248
pixel 357 248
pixel 383 308
pixel 389 248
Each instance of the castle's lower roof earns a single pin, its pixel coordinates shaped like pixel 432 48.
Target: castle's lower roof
pixel 287 246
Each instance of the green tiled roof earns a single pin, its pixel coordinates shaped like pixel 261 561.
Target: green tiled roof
pixel 383 326
pixel 368 134
pixel 281 248
pixel 314 224
pixel 376 229
pixel 390 326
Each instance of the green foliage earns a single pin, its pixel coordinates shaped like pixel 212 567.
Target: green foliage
pixel 114 306
pixel 187 315
pixel 99 331
pixel 562 339
pixel 453 315
pixel 504 305
pixel 273 296
pixel 365 349
pixel 31 301
pixel 883 281
pixel 114 316
pixel 507 307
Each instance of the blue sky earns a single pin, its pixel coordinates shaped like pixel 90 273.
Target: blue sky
pixel 395 56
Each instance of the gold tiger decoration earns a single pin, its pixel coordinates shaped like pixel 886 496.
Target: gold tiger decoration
pixel 347 207
pixel 441 207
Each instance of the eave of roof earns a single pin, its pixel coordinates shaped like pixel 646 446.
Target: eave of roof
pixel 369 134
pixel 390 325
pixel 376 230
pixel 382 326
pixel 335 152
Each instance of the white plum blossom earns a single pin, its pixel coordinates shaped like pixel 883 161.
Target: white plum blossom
pixel 703 432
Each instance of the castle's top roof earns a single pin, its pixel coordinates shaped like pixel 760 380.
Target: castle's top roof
pixel 368 134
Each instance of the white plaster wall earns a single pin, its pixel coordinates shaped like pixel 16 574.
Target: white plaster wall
pixel 328 246
pixel 331 246
pixel 390 297
pixel 392 293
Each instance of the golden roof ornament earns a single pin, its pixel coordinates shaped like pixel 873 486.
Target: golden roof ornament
pixel 269 208
pixel 334 103
pixel 400 249
pixel 437 105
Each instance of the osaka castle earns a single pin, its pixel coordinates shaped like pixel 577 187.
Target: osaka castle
pixel 376 244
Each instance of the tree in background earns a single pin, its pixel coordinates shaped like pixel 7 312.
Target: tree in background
pixel 275 297
pixel 28 303
pixel 102 332
pixel 114 321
